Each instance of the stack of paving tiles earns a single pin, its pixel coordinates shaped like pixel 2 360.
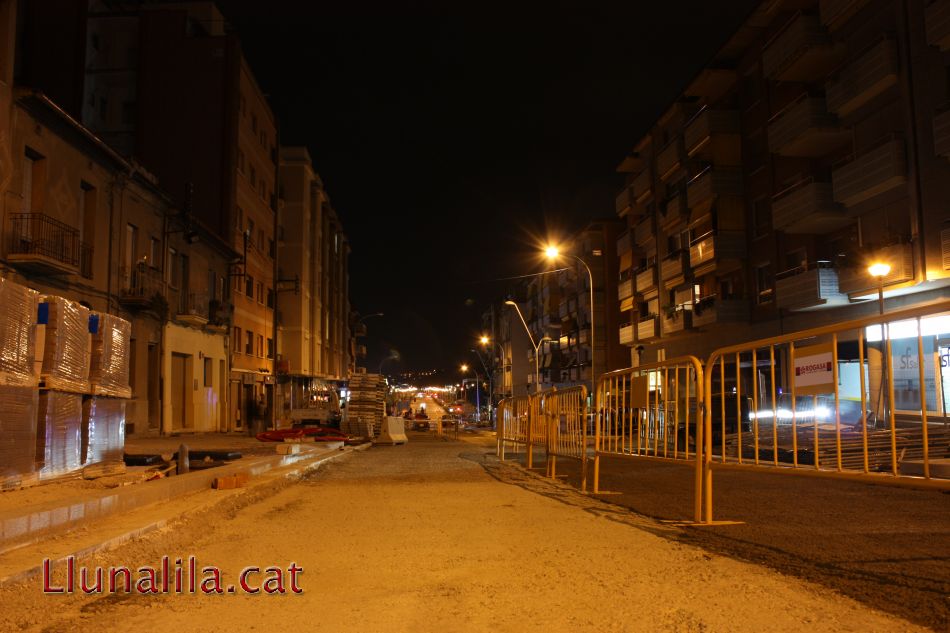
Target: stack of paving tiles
pixel 103 413
pixel 367 404
pixel 64 379
pixel 18 384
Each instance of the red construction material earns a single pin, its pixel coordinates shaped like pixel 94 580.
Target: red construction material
pixel 318 433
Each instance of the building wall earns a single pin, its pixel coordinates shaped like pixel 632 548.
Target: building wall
pixel 203 357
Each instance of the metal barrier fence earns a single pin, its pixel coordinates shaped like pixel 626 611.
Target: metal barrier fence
pixel 862 399
pixel 514 423
pixel 564 414
pixel 653 411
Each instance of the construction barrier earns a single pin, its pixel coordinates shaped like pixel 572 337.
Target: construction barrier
pixel 863 399
pixel 564 415
pixel 653 411
pixel 514 425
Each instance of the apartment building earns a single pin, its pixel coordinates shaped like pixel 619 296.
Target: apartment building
pixel 312 306
pixel 814 143
pixel 81 221
pixel 168 85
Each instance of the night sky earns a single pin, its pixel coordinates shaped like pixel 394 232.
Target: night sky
pixel 452 137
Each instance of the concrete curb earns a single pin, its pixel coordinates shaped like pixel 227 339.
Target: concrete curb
pixel 293 465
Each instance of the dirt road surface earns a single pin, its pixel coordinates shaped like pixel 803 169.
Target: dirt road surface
pixel 437 536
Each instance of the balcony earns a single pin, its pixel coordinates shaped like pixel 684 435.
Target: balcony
pixel 140 286
pixel 808 207
pixel 713 182
pixel 193 308
pixel 805 129
pixel 872 173
pixel 625 289
pixel 46 245
pixel 802 51
pixel 625 243
pixel 712 247
pixel 642 186
pixel 863 79
pixel 712 310
pixel 899 256
pixel 622 203
pixel 646 281
pixel 626 334
pixel 676 321
pixel 644 233
pixel 669 159
pixel 361 351
pixel 937 21
pixel 834 13
pixel 626 262
pixel 672 269
pixel 674 212
pixel 711 130
pixel 646 329
pixel 942 132
pixel 814 287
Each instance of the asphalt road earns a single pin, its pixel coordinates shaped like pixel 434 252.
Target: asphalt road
pixel 438 536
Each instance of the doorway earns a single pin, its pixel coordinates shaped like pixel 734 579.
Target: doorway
pixel 179 391
pixel 153 371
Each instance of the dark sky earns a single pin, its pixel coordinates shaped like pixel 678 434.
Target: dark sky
pixel 449 134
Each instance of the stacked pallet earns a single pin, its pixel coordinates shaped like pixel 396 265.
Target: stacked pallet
pixel 18 385
pixel 367 404
pixel 103 413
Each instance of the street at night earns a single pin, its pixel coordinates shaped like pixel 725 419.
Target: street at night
pixel 428 316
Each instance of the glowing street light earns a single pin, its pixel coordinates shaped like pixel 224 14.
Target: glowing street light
pixel 552 252
pixel 536 346
pixel 879 270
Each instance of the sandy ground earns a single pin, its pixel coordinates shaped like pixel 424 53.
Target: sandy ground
pixel 436 536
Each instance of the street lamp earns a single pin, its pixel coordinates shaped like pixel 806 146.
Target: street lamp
pixel 880 270
pixel 536 346
pixel 552 253
pixel 478 404
pixel 484 341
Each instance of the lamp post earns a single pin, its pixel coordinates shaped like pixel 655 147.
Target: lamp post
pixel 484 340
pixel 478 404
pixel 552 253
pixel 536 346
pixel 879 270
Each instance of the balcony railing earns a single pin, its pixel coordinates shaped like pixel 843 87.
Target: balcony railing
pixel 39 241
pixel 808 287
pixel 802 51
pixel 676 321
pixel 672 266
pixel 941 127
pixel 193 307
pixel 701 131
pixel 644 232
pixel 675 211
pixel 715 246
pixel 937 21
pixel 808 207
pixel 900 257
pixel 642 186
pixel 625 289
pixel 140 285
pixel 627 334
pixel 874 172
pixel 712 310
pixel 622 202
pixel 646 280
pixel 670 158
pixel 646 329
pixel 806 129
pixel 834 13
pixel 713 181
pixel 863 79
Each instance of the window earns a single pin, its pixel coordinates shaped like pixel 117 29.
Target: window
pixel 249 343
pixel 172 273
pixel 797 259
pixel 250 232
pixel 763 283
pixel 249 286
pixel 270 298
pixel 33 170
pixel 260 345
pixel 209 372
pixel 130 255
pixel 237 340
pixel 240 164
pixel 260 292
pixel 154 252
pixel 271 252
pixel 253 176
pixel 239 219
pixel 260 239
pixel 254 123
pixel 761 217
pixel 270 347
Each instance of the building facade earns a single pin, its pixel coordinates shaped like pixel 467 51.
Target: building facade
pixel 813 144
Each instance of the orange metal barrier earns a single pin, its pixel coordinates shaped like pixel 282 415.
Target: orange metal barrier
pixel 652 411
pixel 862 399
pixel 516 418
pixel 564 413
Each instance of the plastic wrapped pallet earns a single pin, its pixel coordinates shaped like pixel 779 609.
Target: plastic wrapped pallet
pixel 17 334
pixel 58 441
pixel 66 345
pixel 103 430
pixel 109 364
pixel 17 435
